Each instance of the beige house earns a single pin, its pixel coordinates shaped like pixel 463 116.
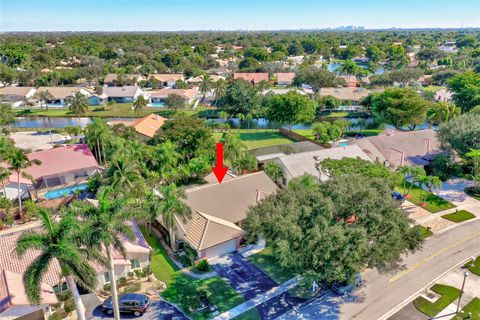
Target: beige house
pixel 348 94
pixel 166 79
pixel 16 95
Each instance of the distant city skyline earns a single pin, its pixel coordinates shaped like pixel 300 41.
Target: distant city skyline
pixel 186 15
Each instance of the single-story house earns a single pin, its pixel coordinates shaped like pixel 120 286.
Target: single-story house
pixel 347 94
pixel 13 298
pixel 298 164
pixel 63 166
pixel 166 79
pixel 147 126
pixel 284 78
pixel 16 95
pixel 219 211
pixel 254 78
pixel 198 80
pixel 160 97
pixel 125 94
pixel 61 94
pixel 111 79
pixel 350 81
pixel 397 148
pixel 443 95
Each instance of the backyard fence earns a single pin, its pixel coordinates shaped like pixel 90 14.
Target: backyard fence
pixel 298 137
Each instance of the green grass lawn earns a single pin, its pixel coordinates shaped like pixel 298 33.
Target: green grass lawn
pixel 474 307
pixel 460 216
pixel 181 288
pixel 425 232
pixel 448 295
pixel 253 139
pixel 432 203
pixel 251 314
pixel 306 133
pixel 117 110
pixel 474 266
pixel 265 261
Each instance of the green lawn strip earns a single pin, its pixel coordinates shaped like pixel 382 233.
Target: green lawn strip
pixel 471 192
pixel 182 289
pixel 251 314
pixel 459 216
pixel 448 295
pixel 474 307
pixel 163 268
pixel 117 110
pixel 425 232
pixel 432 203
pixel 308 133
pixel 474 266
pixel 256 139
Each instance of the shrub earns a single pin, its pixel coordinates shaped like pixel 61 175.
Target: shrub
pixel 146 271
pixel 444 167
pixel 55 316
pixel 64 295
pixel 69 306
pixel 131 274
pixel 107 287
pixel 134 287
pixel 138 273
pixel 203 266
pixel 122 282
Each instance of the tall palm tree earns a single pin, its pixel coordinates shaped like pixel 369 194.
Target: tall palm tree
pixel 77 104
pixel 442 112
pixel 123 175
pixel 429 183
pixel 140 104
pixel 220 89
pixel 171 206
pixel 56 241
pixel 206 85
pixel 44 96
pixel 4 175
pixel 234 149
pixel 415 172
pixel 348 68
pixel 105 226
pixel 473 157
pixel 18 162
pixel 98 135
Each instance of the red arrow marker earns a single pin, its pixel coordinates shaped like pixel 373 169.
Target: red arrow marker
pixel 220 170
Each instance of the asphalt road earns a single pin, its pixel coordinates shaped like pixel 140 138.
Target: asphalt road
pixel 382 293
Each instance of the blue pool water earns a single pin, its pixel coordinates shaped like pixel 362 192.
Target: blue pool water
pixel 343 144
pixel 157 105
pixel 63 192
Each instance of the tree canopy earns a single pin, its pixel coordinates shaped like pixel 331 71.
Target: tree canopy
pixel 291 108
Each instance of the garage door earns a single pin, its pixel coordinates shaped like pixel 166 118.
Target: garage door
pixel 221 249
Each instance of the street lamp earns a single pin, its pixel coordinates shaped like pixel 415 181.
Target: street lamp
pixel 465 275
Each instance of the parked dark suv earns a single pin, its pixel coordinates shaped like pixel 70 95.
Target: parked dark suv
pixel 128 303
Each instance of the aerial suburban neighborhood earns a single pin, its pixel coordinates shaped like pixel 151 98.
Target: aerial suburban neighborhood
pixel 244 160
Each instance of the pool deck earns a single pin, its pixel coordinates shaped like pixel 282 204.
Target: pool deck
pixel 40 194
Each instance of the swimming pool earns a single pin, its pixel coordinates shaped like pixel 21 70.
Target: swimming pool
pixel 343 144
pixel 63 192
pixel 157 105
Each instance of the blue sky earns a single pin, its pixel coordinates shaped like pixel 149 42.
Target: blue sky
pixel 163 15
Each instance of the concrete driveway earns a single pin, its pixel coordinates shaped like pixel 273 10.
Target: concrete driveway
pixel 158 310
pixel 452 190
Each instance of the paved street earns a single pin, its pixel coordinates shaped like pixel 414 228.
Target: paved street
pixel 381 293
pixel 158 310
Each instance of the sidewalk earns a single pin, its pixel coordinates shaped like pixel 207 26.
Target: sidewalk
pixel 250 304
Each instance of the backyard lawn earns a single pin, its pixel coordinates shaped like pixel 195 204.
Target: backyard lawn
pixel 117 110
pixel 425 232
pixel 459 216
pixel 474 266
pixel 473 307
pixel 256 139
pixel 182 289
pixel 432 203
pixel 448 295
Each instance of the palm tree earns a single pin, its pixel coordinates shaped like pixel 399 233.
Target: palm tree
pixel 18 162
pixel 206 85
pixel 474 158
pixel 4 175
pixel 249 118
pixel 234 149
pixel 140 104
pixel 171 206
pixel 56 241
pixel 220 90
pixel 77 104
pixel 123 175
pixel 166 158
pixel 348 68
pixel 428 182
pixel 240 117
pixel 98 135
pixel 415 173
pixel 442 112
pixel 44 96
pixel 105 226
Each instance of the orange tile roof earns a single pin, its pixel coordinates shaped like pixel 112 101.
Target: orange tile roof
pixel 252 77
pixel 149 125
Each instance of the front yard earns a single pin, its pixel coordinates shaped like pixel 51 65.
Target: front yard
pixel 459 216
pixel 472 307
pixel 447 295
pixel 432 202
pixel 184 291
pixel 474 266
pixel 253 138
pixel 425 232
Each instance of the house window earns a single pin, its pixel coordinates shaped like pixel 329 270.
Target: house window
pixel 60 287
pixel 106 277
pixel 135 263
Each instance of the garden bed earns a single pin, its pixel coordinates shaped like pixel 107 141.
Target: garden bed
pixel 432 202
pixel 459 216
pixel 448 295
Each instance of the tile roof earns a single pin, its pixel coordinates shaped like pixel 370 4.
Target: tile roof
pixel 164 93
pixel 60 92
pixel 252 77
pixel 231 199
pixel 285 76
pixel 16 91
pixel 211 178
pixel 125 91
pixel 166 77
pixel 149 125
